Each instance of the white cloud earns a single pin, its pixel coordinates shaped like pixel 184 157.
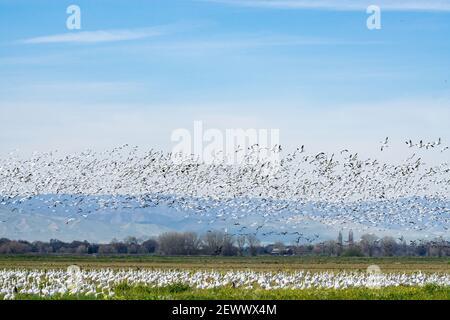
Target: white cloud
pixel 96 36
pixel 344 5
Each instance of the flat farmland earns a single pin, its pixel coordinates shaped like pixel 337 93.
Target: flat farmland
pixel 261 263
pixel 200 277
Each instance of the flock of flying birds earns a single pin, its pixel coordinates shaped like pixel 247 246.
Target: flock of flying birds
pixel 256 196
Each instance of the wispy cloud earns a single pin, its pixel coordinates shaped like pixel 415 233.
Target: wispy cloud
pixel 97 36
pixel 344 5
pixel 234 42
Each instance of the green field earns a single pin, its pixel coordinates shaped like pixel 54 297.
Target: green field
pixel 180 291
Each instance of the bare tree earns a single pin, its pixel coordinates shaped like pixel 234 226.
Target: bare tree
pixel 241 241
pixel 15 247
pixel 213 242
pixel 389 246
pixel 228 248
pixel 330 247
pixel 253 244
pixel 107 249
pixel 131 240
pixel 191 243
pixel 368 244
pixel 174 243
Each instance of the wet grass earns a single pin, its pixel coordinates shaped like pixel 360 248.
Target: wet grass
pixel 184 292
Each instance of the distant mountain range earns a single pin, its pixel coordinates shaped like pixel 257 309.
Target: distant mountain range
pixel 35 219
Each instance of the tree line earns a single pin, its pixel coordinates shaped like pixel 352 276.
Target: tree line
pixel 217 243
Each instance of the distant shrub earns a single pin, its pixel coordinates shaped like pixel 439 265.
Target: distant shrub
pixel 353 252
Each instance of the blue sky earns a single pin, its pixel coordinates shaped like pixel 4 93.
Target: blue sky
pixel 139 69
